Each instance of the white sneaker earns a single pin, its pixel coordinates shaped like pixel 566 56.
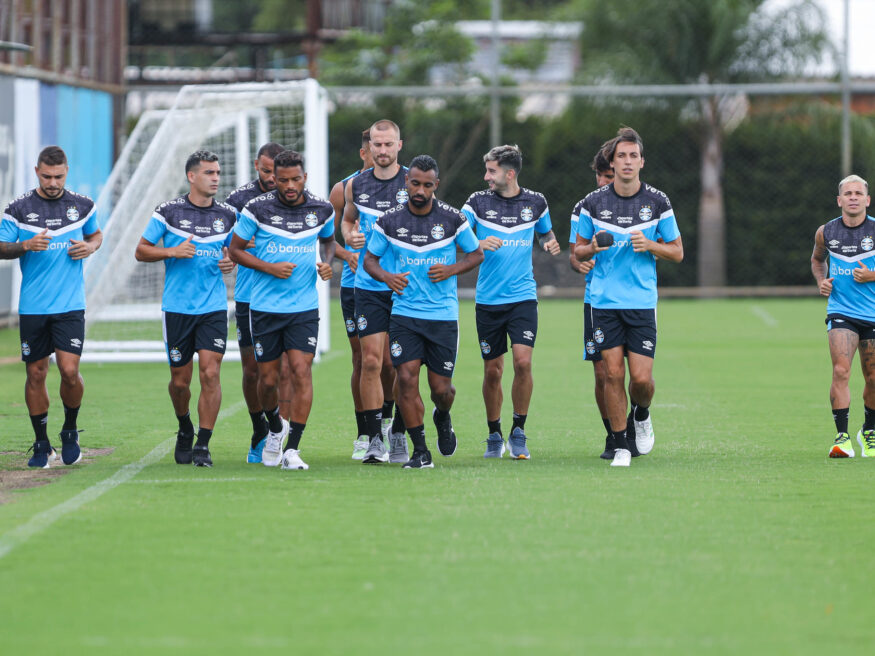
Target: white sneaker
pixel 385 428
pixel 622 458
pixel 273 447
pixel 360 447
pixel 644 436
pixel 292 460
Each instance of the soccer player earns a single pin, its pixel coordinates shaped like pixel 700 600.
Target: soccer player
pixel 418 240
pixel 238 198
pixel 623 288
pixel 506 219
pixel 366 198
pixel 604 175
pixel 350 259
pixel 850 312
pixel 284 311
pixel 52 230
pixel 195 229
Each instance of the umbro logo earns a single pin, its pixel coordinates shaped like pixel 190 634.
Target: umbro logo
pixel 605 214
pixel 76 342
pixel 529 335
pixel 185 223
pixel 276 219
pixel 647 344
pixel 363 197
pixel 448 366
pixel 32 217
pixel 834 242
pixel 401 232
pixel 311 341
pixel 219 342
pixel 491 214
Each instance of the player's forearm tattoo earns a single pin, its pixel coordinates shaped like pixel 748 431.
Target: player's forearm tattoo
pixel 11 250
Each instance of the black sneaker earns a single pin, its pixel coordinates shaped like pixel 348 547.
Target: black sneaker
pixel 43 454
pixel 630 435
pixel 419 460
pixel 70 451
pixel 183 453
pixel 200 456
pixel 608 453
pixel 446 435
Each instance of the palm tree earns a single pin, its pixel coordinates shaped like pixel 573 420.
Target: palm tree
pixel 702 42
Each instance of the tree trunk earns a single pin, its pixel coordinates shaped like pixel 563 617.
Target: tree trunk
pixel 712 213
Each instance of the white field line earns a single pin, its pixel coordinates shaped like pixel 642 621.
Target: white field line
pixel 38 523
pixel 764 316
pixel 158 481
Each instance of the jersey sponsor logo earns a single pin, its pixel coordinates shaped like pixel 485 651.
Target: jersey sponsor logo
pixel 273 248
pixel 849 249
pixel 350 326
pixel 485 349
pixel 75 342
pixel 53 223
pixel 58 245
pixel 311 341
pixel 837 270
pixel 448 366
pixel 419 239
pixel 419 261
pixel 437 231
pixel 32 217
pixel 218 342
pixel 645 213
pixel 401 232
pixel 259 349
pixel 203 230
pixel 208 252
pixel 362 323
pixel 311 220
pixel 401 196
pixel 598 336
pixel 526 214
pixel 218 225
pixel 72 214
pixel 647 344
pixel 175 354
pixel 185 223
pixel 590 347
pixel 25 349
pixel 529 335
pixel 381 204
pixel 508 219
pixel 867 243
pixel 624 220
pixel 395 349
pixel 294 225
pixel 516 242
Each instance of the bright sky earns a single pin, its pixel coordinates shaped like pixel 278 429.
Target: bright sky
pixel 862 24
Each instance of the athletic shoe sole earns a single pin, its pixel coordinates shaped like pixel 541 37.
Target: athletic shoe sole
pixel 837 452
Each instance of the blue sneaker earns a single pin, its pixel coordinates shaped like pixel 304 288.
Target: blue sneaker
pixel 254 456
pixel 517 444
pixel 43 454
pixel 494 446
pixel 70 451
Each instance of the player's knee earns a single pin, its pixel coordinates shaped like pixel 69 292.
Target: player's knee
pixel 841 371
pixel 443 395
pixel 522 366
pixel 372 363
pixel 36 376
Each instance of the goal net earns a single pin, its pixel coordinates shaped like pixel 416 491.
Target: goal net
pixel 123 320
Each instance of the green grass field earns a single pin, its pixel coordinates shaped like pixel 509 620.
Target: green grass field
pixel 736 535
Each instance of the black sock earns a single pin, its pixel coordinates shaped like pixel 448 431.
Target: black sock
pixel 259 426
pixel 398 421
pixel 440 416
pixel 641 413
pixel 840 417
pixel 519 421
pixel 274 421
pixel 70 415
pixel 296 430
pixel 494 426
pixel 869 420
pixel 388 406
pixel 607 423
pixel 372 423
pixel 360 423
pixel 417 436
pixel 619 439
pixel 40 425
pixel 203 436
pixel 185 425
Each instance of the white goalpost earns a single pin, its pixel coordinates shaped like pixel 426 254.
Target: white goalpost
pixel 123 296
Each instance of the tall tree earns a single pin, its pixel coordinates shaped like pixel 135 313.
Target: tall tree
pixel 702 42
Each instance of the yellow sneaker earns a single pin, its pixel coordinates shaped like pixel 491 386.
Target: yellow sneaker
pixel 866 440
pixel 842 447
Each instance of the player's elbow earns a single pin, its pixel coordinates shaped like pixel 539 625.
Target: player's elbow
pixel 139 254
